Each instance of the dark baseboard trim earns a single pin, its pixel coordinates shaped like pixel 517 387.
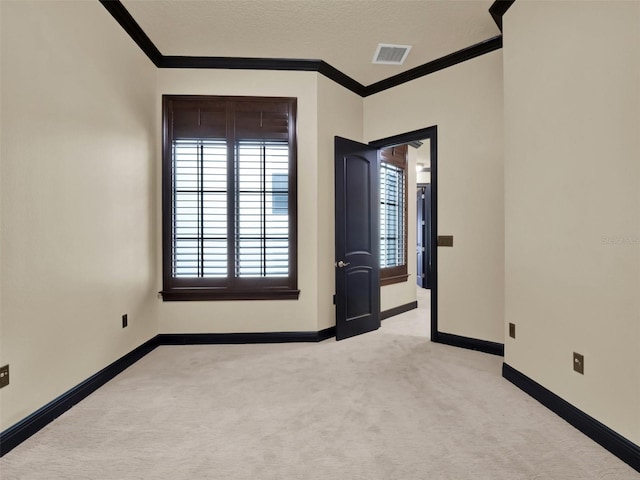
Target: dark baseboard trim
pixel 326 334
pixel 398 310
pixel 18 433
pixel 622 448
pixel 470 343
pixel 133 29
pixel 242 338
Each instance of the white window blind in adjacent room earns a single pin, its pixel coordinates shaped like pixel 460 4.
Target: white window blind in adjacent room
pixel 393 214
pixel 392 247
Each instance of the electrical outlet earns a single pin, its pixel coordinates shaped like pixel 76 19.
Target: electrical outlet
pixel 4 376
pixel 578 363
pixel 125 321
pixel 512 330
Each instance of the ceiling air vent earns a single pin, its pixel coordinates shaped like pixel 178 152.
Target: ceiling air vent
pixel 391 54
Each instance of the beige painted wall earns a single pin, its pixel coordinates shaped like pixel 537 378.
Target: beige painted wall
pixel 81 171
pixel 325 110
pixel 339 113
pixel 254 316
pixel 77 151
pixel 572 176
pixel 465 102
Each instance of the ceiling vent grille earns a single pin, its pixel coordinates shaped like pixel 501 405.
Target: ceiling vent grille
pixel 391 54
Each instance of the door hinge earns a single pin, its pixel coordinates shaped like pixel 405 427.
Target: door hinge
pixel 423 196
pixel 423 224
pixel 422 275
pixel 334 299
pixel 423 249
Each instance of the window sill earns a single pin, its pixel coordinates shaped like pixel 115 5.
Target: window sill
pixel 212 294
pixel 394 279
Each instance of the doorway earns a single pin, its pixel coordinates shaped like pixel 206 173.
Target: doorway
pixel 422 135
pixel 430 134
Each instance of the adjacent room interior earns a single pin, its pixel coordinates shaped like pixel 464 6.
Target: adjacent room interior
pixel 535 201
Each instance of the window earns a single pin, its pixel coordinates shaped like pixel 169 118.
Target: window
pixel 393 215
pixel 229 198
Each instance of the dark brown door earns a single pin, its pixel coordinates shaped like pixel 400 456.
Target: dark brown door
pixel 357 263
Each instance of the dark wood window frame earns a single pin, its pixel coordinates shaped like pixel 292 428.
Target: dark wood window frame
pixel 234 120
pixel 397 156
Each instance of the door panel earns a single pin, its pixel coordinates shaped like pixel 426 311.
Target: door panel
pixel 357 244
pixel 357 209
pixel 358 306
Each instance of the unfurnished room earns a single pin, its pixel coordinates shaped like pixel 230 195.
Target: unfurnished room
pixel 320 239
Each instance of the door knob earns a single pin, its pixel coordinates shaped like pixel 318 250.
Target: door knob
pixel 342 264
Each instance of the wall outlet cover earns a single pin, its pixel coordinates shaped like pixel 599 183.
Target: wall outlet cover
pixel 4 376
pixel 578 363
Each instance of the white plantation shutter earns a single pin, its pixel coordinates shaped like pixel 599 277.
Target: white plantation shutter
pixel 261 229
pixel 200 208
pixel 393 214
pixel 392 225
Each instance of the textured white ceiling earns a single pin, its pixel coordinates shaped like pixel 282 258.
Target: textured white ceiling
pixel 344 33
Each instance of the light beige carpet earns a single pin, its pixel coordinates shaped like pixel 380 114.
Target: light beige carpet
pixel 386 405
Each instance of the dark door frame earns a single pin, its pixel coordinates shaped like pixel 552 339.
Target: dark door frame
pixel 425 256
pixel 430 133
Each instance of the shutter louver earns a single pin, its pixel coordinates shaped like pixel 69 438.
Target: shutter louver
pixel 262 231
pixel 200 208
pixel 202 120
pixel 262 124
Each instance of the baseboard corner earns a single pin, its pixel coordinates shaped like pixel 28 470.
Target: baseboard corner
pixel 484 346
pixel 18 433
pixel 612 441
pixel 392 312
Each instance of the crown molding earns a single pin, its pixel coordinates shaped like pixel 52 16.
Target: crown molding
pixel 441 63
pixel 498 9
pixel 133 29
pixel 128 23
